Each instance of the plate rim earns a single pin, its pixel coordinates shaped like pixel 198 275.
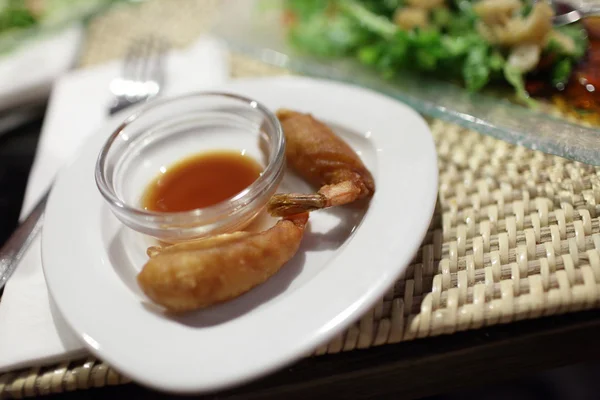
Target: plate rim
pixel 359 308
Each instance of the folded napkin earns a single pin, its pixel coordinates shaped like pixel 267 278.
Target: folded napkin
pixel 31 331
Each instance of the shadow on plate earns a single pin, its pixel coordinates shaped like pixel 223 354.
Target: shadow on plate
pixel 124 247
pixel 247 302
pixel 124 264
pixel 123 254
pixel 65 334
pixel 348 219
pixel 332 240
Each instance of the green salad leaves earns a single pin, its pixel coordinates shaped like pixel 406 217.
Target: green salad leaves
pixel 450 47
pixel 16 15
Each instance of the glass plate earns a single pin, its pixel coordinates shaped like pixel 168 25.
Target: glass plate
pixel 257 32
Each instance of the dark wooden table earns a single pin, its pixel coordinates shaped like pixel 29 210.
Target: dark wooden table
pixel 408 370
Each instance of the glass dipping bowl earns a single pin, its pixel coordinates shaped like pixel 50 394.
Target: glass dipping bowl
pixel 167 131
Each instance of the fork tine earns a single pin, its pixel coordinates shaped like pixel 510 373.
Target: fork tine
pixel 153 68
pixel 152 74
pixel 164 48
pixel 131 60
pixel 146 52
pixel 143 72
pixel 149 59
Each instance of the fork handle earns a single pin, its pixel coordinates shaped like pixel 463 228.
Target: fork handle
pixel 17 244
pixel 118 106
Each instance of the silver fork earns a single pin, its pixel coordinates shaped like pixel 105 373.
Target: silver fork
pixel 570 11
pixel 143 73
pixel 143 78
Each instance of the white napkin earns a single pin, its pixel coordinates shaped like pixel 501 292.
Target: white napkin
pixel 31 331
pixel 22 78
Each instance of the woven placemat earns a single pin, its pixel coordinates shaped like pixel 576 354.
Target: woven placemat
pixel 515 234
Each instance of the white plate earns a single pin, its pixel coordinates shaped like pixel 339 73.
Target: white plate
pixel 349 256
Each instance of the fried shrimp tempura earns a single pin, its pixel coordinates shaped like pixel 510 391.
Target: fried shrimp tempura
pixel 323 159
pixel 193 275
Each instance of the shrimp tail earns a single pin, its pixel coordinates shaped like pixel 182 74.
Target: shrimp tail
pixel 294 203
pixel 283 204
pixel 324 160
pixel 153 251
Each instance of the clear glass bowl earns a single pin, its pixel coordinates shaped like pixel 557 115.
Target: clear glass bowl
pixel 166 131
pixel 254 28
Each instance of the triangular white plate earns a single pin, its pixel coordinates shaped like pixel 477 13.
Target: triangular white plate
pixel 349 256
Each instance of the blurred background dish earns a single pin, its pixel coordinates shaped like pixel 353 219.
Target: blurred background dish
pixel 35 33
pixel 260 29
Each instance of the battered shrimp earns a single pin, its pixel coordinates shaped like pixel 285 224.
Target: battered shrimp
pixel 197 274
pixel 324 160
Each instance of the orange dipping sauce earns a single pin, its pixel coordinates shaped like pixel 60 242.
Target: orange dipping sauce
pixel 201 181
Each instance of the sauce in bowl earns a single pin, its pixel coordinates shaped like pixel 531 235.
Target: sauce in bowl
pixel 201 181
pixel 192 166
